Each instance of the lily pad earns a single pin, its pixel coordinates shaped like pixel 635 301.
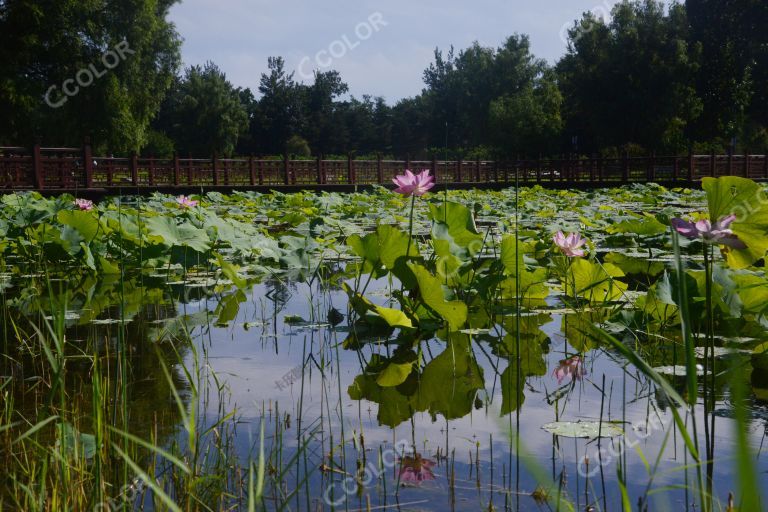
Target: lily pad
pixel 678 370
pixel 583 429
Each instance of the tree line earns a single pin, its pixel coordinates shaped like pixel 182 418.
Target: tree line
pixel 651 78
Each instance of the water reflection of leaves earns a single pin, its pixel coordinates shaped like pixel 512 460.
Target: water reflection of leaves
pixel 446 385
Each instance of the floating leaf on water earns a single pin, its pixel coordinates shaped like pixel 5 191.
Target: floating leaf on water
pixel 678 370
pixel 250 325
pixel 584 429
pixel 735 339
pixel 294 320
pixel 73 442
pixel 105 321
pixel 721 351
pixel 475 332
pixel 69 315
pixel 312 326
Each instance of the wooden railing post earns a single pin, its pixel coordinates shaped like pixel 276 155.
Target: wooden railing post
pixel 458 170
pixel 765 164
pixel 88 163
pixel 151 170
pixel 319 170
pixel 286 169
pixel 252 169
pixel 730 161
pixel 600 169
pixel 713 164
pixel 407 161
pixel 652 167
pixel 675 168
pixel 691 165
pixel 520 167
pixel 477 170
pixel 215 167
pixel 433 168
pixel 350 169
pixel 538 169
pixel 592 168
pixel 190 170
pixel 379 169
pixel 176 169
pixel 135 169
pixel 37 168
pixel 746 164
pixel 625 167
pixel 550 163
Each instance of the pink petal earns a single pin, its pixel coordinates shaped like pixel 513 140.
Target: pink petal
pixel 725 222
pixel 687 229
pixel 704 226
pixel 406 190
pixel 731 241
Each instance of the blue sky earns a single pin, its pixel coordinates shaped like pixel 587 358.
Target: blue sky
pixel 379 47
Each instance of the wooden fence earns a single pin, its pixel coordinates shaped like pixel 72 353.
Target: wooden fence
pixel 73 169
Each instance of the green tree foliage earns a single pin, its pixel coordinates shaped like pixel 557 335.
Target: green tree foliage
pixel 529 122
pixel 298 146
pixel 648 78
pixel 460 89
pixel 279 111
pixel 631 80
pixel 204 113
pixel 733 80
pixel 45 42
pixel 322 111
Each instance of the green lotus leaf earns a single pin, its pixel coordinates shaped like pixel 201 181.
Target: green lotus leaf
pixel 596 283
pixel 178 235
pixel 733 195
pixel 454 312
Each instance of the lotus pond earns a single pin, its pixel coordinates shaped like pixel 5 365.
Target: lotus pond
pixel 369 351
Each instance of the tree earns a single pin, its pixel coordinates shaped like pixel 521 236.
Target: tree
pixel 320 109
pixel 631 80
pixel 733 79
pixel 204 113
pixel 528 123
pixel 298 146
pixel 116 59
pixel 461 89
pixel 280 107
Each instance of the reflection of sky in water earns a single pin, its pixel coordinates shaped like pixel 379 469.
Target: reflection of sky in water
pixel 252 361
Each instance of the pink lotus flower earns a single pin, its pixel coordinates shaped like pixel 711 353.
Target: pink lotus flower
pixel 415 470
pixel 572 367
pixel 414 184
pixel 83 204
pixel 571 245
pixel 717 233
pixel 186 202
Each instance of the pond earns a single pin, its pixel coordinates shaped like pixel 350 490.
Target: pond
pixel 303 352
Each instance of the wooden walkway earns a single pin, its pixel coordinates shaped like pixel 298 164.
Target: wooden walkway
pixel 56 170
